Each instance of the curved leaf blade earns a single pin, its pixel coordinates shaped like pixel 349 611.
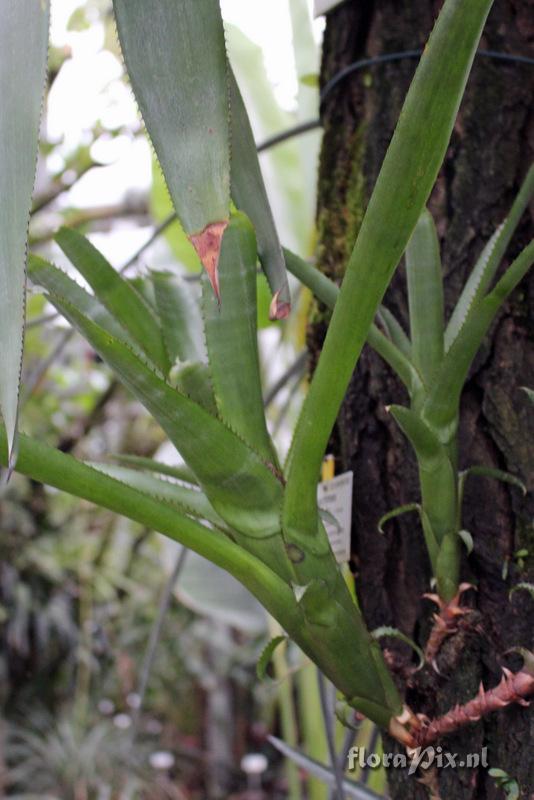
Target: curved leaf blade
pixel 441 407
pixel 394 330
pixel 56 282
pixel 23 53
pixel 486 266
pixel 120 298
pixel 395 633
pixel 267 654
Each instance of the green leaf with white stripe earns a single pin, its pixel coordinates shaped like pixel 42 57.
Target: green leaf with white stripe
pixel 120 298
pixel 23 52
pixel 231 338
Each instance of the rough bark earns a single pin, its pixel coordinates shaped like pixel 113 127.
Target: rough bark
pixel 491 148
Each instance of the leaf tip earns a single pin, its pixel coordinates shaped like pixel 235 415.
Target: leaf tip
pixel 207 244
pixel 279 309
pixel 12 455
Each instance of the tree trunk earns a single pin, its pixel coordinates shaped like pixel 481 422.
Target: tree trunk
pixel 490 150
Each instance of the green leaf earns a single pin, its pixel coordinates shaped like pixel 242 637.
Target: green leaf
pixel 385 630
pixel 241 488
pixel 161 208
pixel 407 176
pixel 181 321
pixel 249 195
pixel 282 166
pixel 23 52
pixel 447 566
pixel 322 287
pixel 472 292
pixel 497 474
pixel 119 297
pixel 175 55
pixel 529 393
pixel 193 378
pixel 396 512
pixel 394 352
pixel 441 407
pixel 188 501
pixel 144 286
pixel 485 268
pixel 423 440
pixel 56 282
pixel 181 473
pixel 266 656
pixel 425 297
pixel 394 330
pixel 231 338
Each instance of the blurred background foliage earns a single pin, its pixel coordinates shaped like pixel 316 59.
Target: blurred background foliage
pixel 128 668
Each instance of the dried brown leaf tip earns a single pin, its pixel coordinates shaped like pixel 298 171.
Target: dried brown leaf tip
pixel 279 309
pixel 207 243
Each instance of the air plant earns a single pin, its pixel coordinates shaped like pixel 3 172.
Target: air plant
pixel 243 509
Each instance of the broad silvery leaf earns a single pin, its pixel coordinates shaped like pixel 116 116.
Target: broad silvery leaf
pixel 23 51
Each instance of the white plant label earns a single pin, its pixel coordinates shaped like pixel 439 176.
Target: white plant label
pixel 334 498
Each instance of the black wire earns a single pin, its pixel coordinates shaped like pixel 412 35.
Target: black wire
pixel 302 127
pixel 356 66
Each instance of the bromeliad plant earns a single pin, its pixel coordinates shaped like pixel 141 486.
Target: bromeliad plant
pixel 433 364
pixel 241 508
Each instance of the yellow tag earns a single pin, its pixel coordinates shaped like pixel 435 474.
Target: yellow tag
pixel 328 469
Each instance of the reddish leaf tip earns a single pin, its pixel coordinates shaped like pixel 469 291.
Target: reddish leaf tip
pixel 207 243
pixel 277 309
